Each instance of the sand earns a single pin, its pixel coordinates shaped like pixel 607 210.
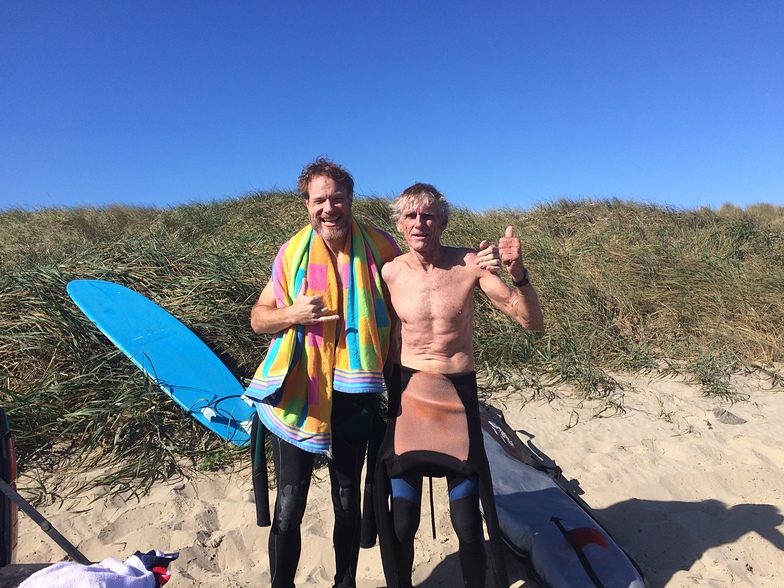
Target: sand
pixel 690 486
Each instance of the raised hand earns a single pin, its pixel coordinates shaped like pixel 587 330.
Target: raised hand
pixel 510 253
pixel 487 257
pixel 308 310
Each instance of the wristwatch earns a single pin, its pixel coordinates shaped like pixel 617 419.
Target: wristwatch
pixel 524 281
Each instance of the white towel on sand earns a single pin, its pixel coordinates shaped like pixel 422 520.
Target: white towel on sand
pixel 109 573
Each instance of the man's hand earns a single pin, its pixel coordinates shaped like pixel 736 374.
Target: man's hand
pixel 309 310
pixel 487 257
pixel 510 253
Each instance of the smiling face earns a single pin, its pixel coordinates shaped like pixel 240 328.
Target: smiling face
pixel 329 208
pixel 421 226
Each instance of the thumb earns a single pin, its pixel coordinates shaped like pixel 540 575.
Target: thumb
pixel 303 287
pixel 509 232
pixel 484 244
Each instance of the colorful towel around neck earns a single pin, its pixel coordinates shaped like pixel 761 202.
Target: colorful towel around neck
pixel 292 388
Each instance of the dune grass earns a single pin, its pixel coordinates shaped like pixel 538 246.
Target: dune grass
pixel 625 287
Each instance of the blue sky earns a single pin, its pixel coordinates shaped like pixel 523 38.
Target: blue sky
pixel 497 103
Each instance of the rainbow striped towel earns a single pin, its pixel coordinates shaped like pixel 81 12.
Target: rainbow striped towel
pixel 292 388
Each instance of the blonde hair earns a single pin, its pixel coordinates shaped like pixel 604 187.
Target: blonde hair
pixel 420 195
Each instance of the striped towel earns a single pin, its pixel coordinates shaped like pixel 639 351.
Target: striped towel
pixel 292 388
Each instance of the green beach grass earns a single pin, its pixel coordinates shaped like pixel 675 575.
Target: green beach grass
pixel 625 287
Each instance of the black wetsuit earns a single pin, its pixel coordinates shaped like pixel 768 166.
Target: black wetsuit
pixel 433 429
pixel 351 418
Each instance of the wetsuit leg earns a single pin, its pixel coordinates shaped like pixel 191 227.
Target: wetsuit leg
pixel 406 513
pixel 351 423
pixel 467 523
pixel 293 470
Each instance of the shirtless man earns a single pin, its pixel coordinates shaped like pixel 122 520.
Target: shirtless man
pixel 433 419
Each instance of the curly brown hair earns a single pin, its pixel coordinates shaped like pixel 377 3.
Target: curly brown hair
pixel 324 167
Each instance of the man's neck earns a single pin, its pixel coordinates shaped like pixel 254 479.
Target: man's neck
pixel 335 246
pixel 428 259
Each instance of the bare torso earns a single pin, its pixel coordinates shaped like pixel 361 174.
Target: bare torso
pixel 435 306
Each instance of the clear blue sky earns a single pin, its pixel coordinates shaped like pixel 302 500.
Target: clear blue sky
pixel 500 103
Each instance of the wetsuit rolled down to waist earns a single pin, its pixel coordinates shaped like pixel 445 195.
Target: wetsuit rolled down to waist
pixel 434 430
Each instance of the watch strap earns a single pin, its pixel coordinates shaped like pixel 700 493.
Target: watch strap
pixel 524 281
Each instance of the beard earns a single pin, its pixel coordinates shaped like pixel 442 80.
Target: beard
pixel 330 233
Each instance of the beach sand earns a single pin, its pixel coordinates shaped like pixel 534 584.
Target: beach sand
pixel 690 486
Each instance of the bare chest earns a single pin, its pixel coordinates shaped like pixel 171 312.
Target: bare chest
pixel 433 296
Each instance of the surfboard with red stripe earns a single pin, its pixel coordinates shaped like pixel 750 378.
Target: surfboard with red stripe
pixel 564 545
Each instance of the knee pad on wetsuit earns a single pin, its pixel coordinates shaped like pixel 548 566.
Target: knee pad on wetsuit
pixel 290 506
pixel 348 499
pixel 346 504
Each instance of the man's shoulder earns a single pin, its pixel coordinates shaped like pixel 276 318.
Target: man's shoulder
pixel 457 254
pixel 461 263
pixel 297 237
pixel 401 259
pixel 396 265
pixel 462 251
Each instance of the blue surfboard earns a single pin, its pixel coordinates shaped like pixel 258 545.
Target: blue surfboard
pixel 170 354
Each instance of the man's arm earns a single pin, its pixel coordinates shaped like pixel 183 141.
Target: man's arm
pixel 522 304
pixel 267 317
pixel 519 302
